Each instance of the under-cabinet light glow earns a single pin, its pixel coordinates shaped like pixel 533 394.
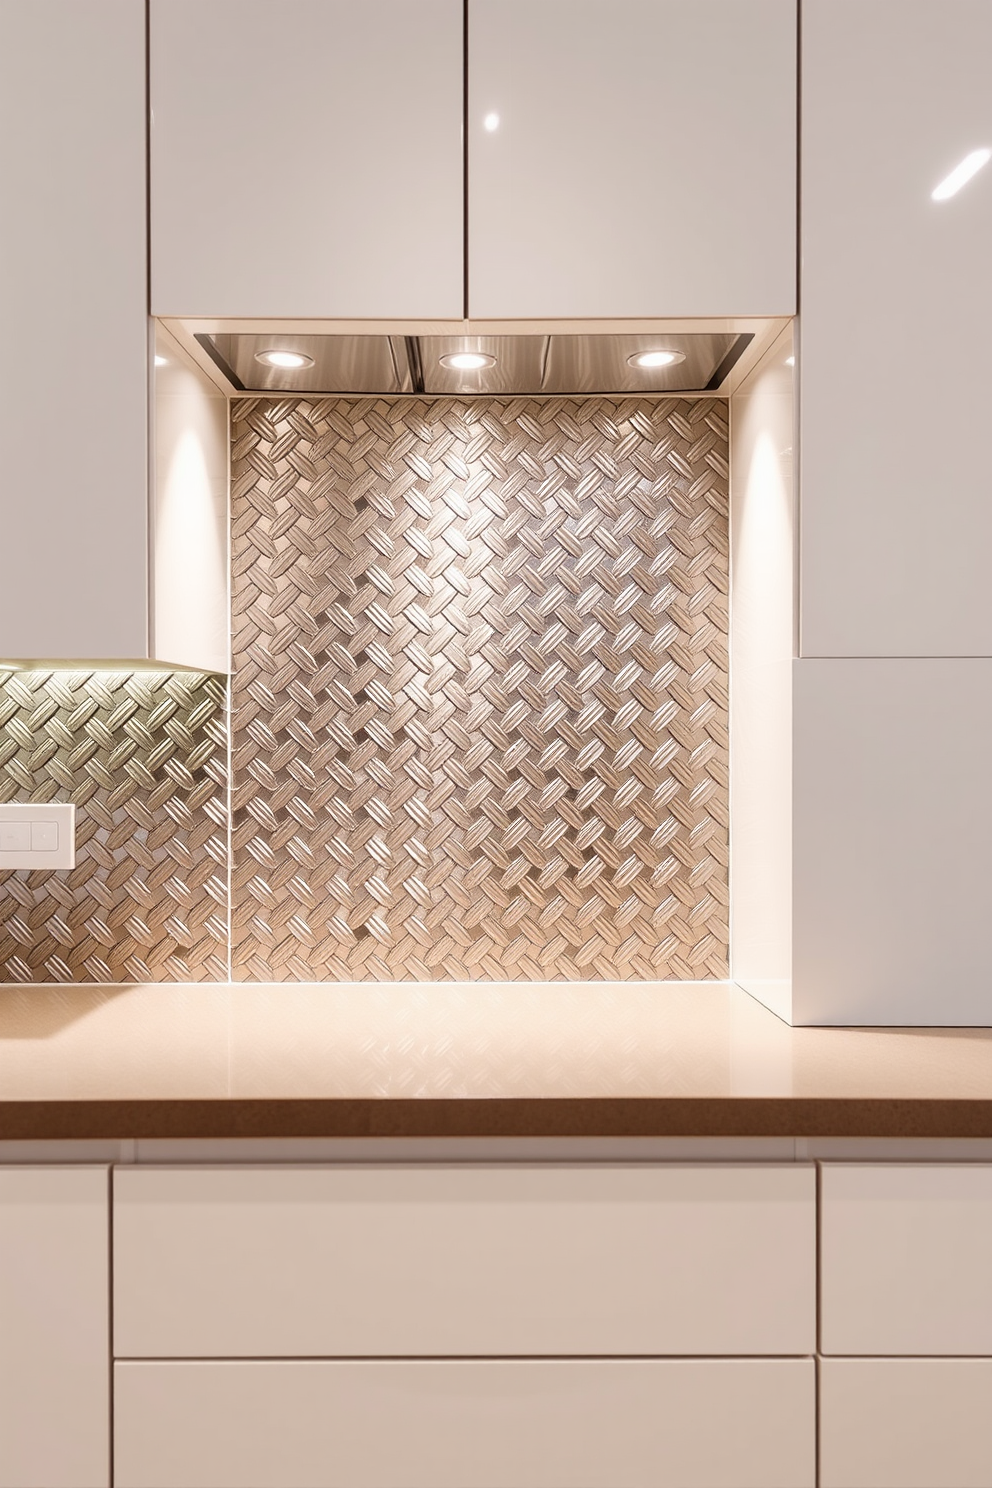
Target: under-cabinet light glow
pixel 491 122
pixel 655 358
pixel 961 174
pixel 288 360
pixel 790 361
pixel 161 361
pixel 467 361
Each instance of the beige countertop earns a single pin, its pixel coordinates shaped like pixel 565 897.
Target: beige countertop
pixel 486 1059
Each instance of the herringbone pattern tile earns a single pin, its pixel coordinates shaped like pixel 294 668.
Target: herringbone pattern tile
pixel 480 694
pixel 143 755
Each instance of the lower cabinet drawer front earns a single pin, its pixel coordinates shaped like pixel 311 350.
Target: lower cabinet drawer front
pixel 906 1423
pixel 465 1424
pixel 905 1251
pixel 488 1260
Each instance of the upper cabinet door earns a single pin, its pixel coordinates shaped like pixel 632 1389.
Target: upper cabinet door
pixel 896 325
pixel 631 158
pixel 306 158
pixel 74 329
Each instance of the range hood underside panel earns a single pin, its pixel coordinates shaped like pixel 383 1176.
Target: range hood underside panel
pixel 555 365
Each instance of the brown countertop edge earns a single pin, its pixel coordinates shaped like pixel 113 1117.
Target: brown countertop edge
pixel 574 1116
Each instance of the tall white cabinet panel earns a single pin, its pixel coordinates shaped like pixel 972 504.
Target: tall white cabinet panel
pixel 892 820
pixel 525 1423
pixel 896 322
pixel 54 1328
pixel 631 157
pixel 73 329
pixel 306 158
pixel 406 1261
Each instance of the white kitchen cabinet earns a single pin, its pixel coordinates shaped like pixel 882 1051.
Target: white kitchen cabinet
pixel 905 1259
pixel 466 1424
pixel 54 1328
pixel 905 1423
pixel 631 158
pixel 405 1261
pixel 896 321
pixel 306 158
pixel 892 817
pixel 74 329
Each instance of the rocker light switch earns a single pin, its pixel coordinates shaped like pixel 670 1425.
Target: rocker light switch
pixel 37 835
pixel 15 837
pixel 44 836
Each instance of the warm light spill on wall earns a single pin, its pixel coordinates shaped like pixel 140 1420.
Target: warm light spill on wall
pixel 961 174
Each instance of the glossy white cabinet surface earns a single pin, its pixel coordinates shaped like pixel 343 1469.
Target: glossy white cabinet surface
pixel 905 1259
pixel 896 321
pixel 466 1424
pixel 905 1423
pixel 54 1328
pixel 306 158
pixel 74 327
pixel 892 819
pixel 459 1260
pixel 643 159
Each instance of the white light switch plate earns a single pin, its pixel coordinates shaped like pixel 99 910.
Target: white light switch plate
pixel 37 835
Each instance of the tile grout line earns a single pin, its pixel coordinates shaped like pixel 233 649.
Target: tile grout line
pixel 230 724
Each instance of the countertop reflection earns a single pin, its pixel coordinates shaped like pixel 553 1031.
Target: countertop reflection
pixel 302 1058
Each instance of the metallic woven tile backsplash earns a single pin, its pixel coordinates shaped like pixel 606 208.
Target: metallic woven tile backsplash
pixel 144 756
pixel 480 691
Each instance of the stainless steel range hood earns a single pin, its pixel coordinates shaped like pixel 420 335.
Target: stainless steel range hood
pixel 554 364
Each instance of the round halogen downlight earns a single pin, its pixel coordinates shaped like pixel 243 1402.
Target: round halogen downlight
pixel 651 359
pixel 467 361
pixel 287 361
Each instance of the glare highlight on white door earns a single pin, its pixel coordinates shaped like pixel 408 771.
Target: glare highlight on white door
pixel 961 175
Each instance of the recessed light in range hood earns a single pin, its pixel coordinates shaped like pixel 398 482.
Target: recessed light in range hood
pixel 551 365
